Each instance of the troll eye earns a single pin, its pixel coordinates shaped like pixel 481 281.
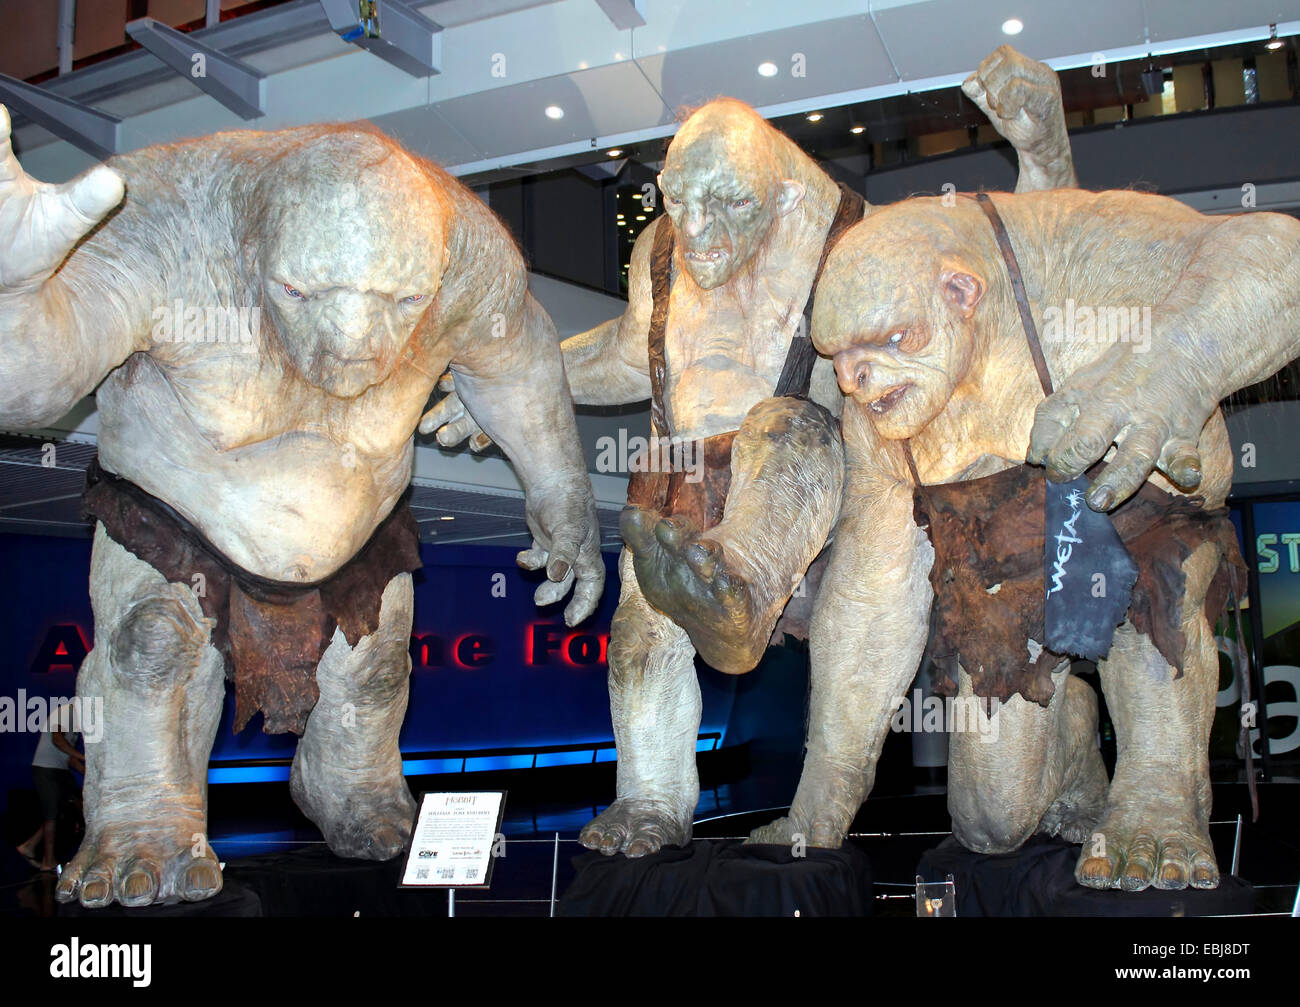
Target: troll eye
pixel 293 292
pixel 896 338
pixel 413 299
pixel 740 204
pixel 672 200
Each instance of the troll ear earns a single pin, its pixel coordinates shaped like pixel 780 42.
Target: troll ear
pixel 962 290
pixel 789 196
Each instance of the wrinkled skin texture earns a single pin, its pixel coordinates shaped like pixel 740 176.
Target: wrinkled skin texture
pixel 916 311
pixel 374 272
pixel 750 213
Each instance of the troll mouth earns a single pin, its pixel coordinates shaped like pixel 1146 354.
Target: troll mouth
pixel 890 399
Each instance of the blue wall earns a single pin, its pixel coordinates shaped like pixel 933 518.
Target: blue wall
pixel 490 671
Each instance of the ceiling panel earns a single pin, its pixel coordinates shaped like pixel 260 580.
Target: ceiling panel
pixel 839 55
pixel 1172 19
pixel 428 134
pixel 597 102
pixel 936 38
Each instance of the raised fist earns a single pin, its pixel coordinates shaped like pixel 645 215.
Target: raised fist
pixel 1022 98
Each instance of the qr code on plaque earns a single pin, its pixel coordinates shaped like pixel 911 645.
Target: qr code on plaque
pixel 421 873
pixel 446 873
pixel 471 873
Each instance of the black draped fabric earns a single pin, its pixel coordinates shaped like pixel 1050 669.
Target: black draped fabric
pixel 1038 880
pixel 721 878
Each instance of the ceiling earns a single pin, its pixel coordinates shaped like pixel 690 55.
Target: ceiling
pixel 504 61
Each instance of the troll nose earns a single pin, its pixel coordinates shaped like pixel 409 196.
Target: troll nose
pixel 852 368
pixel 352 318
pixel 696 223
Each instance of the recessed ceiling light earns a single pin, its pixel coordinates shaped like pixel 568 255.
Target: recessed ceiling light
pixel 616 152
pixel 639 217
pixel 815 117
pixel 767 69
pixel 554 112
pixel 1012 26
pixel 446 517
pixel 857 129
pixel 1273 41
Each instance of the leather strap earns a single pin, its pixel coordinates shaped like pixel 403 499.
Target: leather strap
pixel 796 373
pixel 1018 288
pixel 661 283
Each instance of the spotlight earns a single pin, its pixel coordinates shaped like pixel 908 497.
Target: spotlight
pixel 1012 26
pixel 1153 81
pixel 767 69
pixel 1274 42
pixel 614 153
pixel 815 117
pixel 554 112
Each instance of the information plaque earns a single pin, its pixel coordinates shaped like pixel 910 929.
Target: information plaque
pixel 455 840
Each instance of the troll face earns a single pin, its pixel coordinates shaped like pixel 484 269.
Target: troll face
pixel 350 260
pixel 724 190
pixel 895 314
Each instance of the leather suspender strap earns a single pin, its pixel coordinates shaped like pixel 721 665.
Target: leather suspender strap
pixel 796 373
pixel 1018 288
pixel 911 463
pixel 661 281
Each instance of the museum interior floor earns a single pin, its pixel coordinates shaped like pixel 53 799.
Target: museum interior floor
pixel 268 847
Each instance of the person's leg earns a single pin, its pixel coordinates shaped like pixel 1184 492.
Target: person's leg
pixel 654 699
pixel 49 858
pixel 162 685
pixel 347 771
pixel 28 846
pixel 726 587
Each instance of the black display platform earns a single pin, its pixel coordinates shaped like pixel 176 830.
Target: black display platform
pixel 721 878
pixel 306 882
pixel 1038 880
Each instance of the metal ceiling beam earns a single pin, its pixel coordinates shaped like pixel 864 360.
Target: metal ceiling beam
pixel 624 13
pixel 396 33
pixel 235 84
pixel 84 127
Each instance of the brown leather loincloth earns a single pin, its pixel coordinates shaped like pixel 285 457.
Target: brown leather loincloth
pixel 271 634
pixel 989 532
pixel 700 496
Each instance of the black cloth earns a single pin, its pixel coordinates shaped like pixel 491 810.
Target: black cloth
pixel 1038 880
pixel 721 878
